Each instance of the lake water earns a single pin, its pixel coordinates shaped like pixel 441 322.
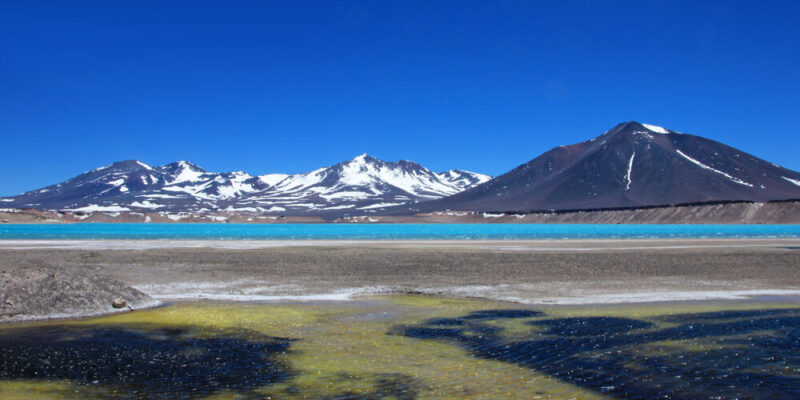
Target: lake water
pixel 409 347
pixel 390 231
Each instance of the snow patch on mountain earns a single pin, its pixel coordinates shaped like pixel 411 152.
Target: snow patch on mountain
pixel 300 181
pixel 379 205
pixel 463 179
pixel 795 181
pixel 146 204
pixel 628 175
pixel 96 207
pixel 656 129
pixel 344 195
pixel 698 163
pixel 272 179
pixel 340 207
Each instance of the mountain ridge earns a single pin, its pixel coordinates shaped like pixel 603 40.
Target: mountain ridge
pixel 631 165
pixel 182 186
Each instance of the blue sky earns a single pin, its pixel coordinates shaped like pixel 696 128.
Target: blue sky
pixel 289 86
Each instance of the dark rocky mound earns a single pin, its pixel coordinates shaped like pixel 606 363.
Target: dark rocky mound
pixel 44 292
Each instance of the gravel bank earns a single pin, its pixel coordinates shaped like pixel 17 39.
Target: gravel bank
pixel 31 289
pixel 66 281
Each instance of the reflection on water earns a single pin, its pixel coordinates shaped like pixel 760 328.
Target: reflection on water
pixel 726 354
pixel 408 347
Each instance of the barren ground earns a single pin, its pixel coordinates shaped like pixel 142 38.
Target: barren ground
pixel 526 271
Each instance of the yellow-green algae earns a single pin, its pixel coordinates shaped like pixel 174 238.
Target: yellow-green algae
pixel 30 389
pixel 343 347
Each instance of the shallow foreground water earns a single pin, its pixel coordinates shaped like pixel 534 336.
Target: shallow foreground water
pixel 408 347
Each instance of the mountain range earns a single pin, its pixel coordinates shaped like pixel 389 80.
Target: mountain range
pixel 630 165
pixel 359 185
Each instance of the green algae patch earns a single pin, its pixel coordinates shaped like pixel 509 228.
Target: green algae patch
pixel 213 317
pixel 33 390
pixel 421 347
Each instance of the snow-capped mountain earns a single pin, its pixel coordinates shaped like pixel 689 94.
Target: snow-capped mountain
pixel 630 165
pixel 363 184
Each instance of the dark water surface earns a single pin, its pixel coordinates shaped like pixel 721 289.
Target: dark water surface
pixel 720 354
pixel 737 354
pixel 153 364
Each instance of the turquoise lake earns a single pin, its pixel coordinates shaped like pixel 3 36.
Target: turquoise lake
pixel 391 231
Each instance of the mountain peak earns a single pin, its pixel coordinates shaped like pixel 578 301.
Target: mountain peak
pixel 634 128
pixel 656 129
pixel 183 171
pixel 182 165
pixel 636 125
pixel 127 165
pixel 364 157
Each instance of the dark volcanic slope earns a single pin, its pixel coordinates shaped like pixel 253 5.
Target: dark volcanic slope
pixel 632 164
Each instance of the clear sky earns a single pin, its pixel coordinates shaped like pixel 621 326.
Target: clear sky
pixel 290 86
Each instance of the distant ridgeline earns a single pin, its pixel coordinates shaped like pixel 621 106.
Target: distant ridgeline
pixel 360 185
pixel 631 166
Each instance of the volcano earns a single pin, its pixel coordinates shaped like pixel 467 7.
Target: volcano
pixel 631 165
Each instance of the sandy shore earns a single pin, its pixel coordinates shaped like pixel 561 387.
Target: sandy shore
pixel 535 272
pixel 491 245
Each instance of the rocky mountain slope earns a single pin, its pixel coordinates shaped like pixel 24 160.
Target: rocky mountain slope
pixel 362 184
pixel 630 165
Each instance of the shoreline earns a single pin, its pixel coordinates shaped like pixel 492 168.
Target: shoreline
pixel 504 244
pixel 674 299
pixel 621 298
